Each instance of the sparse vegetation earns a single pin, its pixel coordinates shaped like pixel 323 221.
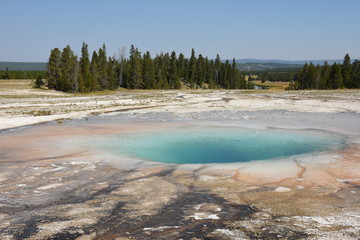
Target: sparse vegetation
pixel 38 113
pixel 39 82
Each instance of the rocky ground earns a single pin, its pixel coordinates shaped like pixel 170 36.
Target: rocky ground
pixel 20 104
pixel 91 200
pixel 52 193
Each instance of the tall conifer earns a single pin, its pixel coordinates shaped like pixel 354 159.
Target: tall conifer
pixel 346 72
pixel 53 68
pixel 84 76
pixel 135 75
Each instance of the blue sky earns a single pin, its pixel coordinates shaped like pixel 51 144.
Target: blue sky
pixel 261 29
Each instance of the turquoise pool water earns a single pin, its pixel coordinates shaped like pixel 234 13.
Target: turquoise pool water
pixel 217 144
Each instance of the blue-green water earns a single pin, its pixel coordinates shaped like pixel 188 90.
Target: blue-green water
pixel 218 144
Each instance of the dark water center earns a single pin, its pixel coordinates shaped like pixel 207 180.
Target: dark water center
pixel 218 144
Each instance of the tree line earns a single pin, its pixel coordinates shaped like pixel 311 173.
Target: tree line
pixel 274 75
pixel 66 72
pixel 8 74
pixel 345 75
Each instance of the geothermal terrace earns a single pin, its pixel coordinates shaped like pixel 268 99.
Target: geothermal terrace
pixel 59 181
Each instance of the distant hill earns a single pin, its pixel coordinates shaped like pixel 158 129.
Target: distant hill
pixel 243 64
pixel 302 62
pixel 259 65
pixel 266 66
pixel 23 66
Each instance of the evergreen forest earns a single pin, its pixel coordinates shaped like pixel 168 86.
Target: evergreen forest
pixel 7 74
pixel 273 75
pixel 66 72
pixel 345 75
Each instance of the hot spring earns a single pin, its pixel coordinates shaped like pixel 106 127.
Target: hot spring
pixel 202 145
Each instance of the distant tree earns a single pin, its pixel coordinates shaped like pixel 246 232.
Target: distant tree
pixel 7 74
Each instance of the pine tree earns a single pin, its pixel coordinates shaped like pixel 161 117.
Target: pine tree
pixel 325 76
pixel 159 79
pixel 206 72
pixel 229 75
pixel 103 80
pixel 182 67
pixel 6 75
pixel 336 80
pixel 69 70
pixel 162 72
pixel 84 76
pixel 346 72
pixel 165 66
pixel 217 70
pixel 235 76
pixel 311 76
pixel 356 74
pixel 174 80
pixel 94 69
pixel 135 76
pixel 165 71
pixel 302 77
pixel 121 67
pixel 200 71
pixel 53 68
pixel 211 75
pixel 192 69
pixel 318 80
pixel 111 74
pixel 74 73
pixel 148 72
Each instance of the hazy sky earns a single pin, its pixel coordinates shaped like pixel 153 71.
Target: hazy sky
pixel 263 29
